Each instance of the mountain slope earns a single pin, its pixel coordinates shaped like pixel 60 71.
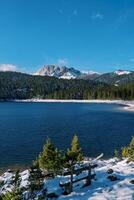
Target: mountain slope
pixel 64 72
pixel 116 78
pixel 15 85
pixel 59 72
pixel 122 72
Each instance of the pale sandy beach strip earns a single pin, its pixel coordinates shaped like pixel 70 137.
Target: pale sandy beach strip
pixel 128 105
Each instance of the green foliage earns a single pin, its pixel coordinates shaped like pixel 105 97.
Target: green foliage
pixel 35 181
pixel 35 163
pixel 116 153
pixel 131 149
pixel 125 152
pixel 16 180
pixel 50 158
pixel 14 195
pixel 128 151
pixel 74 153
pixel 15 85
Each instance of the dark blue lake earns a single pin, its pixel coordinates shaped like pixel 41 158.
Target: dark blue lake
pixel 25 126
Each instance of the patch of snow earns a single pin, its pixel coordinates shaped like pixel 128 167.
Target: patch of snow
pixel 24 178
pixel 104 189
pixel 90 72
pixel 122 72
pixel 58 71
pixel 68 75
pixel 100 189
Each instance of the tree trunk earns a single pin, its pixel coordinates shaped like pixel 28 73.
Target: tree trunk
pixel 71 179
pixel 88 181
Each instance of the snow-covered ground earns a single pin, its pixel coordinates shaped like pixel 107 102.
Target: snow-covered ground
pixel 101 188
pixel 104 189
pixel 128 105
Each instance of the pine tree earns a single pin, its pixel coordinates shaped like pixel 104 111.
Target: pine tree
pixel 35 181
pixel 116 153
pixel 128 151
pixel 131 149
pixel 125 152
pixel 73 155
pixel 50 158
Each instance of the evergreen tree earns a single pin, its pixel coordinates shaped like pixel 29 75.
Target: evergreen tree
pixel 35 181
pixel 50 158
pixel 15 85
pixel 116 153
pixel 73 155
pixel 125 152
pixel 129 150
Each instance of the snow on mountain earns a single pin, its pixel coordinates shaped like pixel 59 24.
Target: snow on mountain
pixel 122 72
pixel 68 75
pixel 90 72
pixel 65 72
pixel 58 71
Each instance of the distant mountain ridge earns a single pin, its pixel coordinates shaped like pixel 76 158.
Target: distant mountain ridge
pixel 116 78
pixel 63 72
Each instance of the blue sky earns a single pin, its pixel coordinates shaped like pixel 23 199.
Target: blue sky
pixel 93 35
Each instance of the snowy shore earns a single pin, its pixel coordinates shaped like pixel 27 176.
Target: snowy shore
pixel 102 188
pixel 128 105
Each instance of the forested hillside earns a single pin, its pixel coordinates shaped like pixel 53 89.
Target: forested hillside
pixel 15 85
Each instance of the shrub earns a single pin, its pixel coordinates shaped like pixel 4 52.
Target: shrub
pixel 128 152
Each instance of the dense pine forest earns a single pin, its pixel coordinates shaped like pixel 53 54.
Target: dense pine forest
pixel 15 85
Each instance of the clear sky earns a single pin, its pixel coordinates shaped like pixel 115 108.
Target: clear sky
pixel 93 35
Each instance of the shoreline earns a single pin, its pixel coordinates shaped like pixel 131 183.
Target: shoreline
pixel 127 104
pixel 14 168
pixel 114 176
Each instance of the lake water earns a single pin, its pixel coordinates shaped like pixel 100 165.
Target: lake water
pixel 25 126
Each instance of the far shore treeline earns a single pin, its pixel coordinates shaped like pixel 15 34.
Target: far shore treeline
pixel 15 85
